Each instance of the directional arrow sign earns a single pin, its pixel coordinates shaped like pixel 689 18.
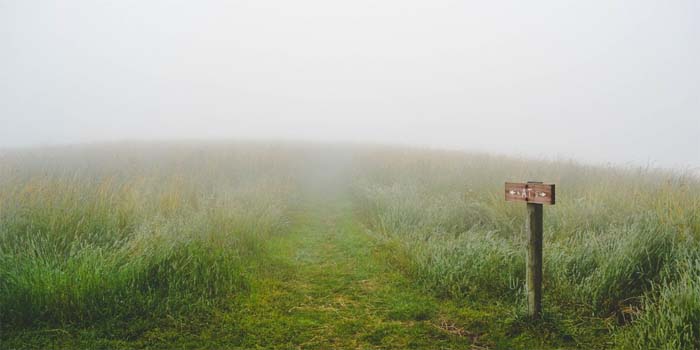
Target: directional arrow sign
pixel 530 192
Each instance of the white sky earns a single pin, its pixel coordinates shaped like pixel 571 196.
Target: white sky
pixel 601 81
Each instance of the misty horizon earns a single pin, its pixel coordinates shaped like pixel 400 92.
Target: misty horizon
pixel 593 82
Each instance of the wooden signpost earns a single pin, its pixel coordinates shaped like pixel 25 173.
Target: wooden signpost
pixel 535 194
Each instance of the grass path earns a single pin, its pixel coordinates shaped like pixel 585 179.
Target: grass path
pixel 327 284
pixel 331 288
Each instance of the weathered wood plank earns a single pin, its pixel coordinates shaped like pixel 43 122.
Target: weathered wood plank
pixel 533 275
pixel 530 192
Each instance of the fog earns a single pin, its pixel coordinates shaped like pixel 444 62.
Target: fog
pixel 597 81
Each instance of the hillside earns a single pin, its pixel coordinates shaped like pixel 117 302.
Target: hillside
pixel 290 245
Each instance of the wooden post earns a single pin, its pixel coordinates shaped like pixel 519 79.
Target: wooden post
pixel 535 194
pixel 534 260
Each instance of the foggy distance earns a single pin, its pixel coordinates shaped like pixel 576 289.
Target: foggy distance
pixel 593 81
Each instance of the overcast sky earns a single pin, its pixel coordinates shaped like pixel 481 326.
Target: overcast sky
pixel 601 81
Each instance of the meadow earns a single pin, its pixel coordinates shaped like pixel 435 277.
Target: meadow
pixel 110 235
pixel 621 252
pixel 284 245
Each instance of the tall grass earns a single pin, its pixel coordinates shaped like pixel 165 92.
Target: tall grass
pixel 133 236
pixel 670 314
pixel 611 241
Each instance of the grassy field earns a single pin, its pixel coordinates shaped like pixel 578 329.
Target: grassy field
pixel 245 245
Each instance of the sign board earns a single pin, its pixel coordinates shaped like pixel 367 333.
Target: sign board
pixel 530 192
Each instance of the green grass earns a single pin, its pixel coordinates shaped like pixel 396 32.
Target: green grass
pixel 613 242
pixel 283 246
